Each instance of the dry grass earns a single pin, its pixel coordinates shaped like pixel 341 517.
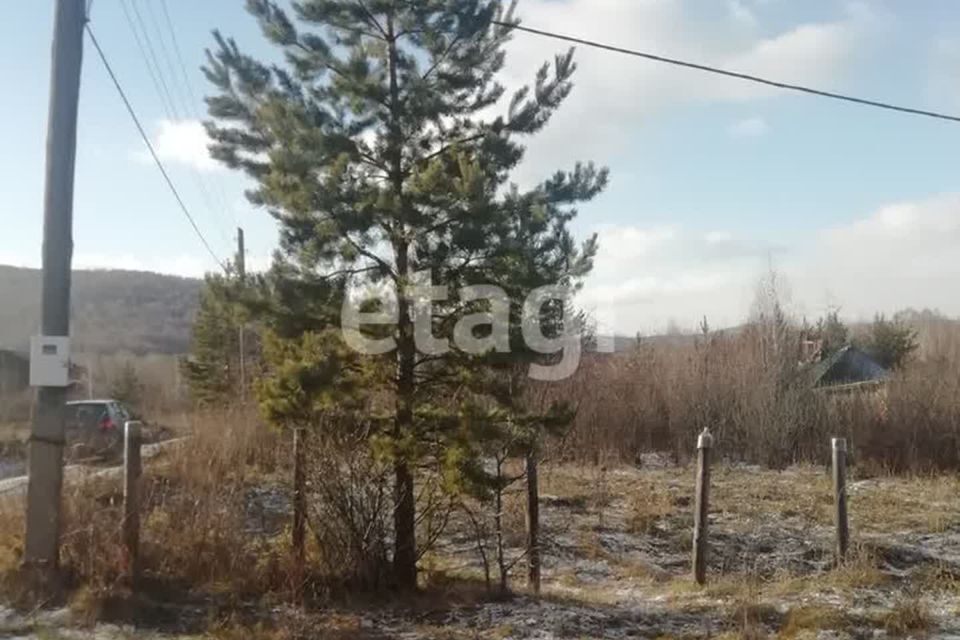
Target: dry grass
pixel 804 492
pixel 803 620
pixel 193 531
pixel 910 614
pixel 647 504
pixel 14 431
pixel 196 539
pixel 923 503
pixel 860 571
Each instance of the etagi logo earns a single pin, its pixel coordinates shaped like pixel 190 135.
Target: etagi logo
pixel 566 344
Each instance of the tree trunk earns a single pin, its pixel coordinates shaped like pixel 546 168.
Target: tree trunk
pixel 498 524
pixel 405 530
pixel 299 510
pixel 533 523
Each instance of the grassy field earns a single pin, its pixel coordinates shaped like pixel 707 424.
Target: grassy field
pixel 616 558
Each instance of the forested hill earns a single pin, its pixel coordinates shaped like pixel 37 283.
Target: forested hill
pixel 112 310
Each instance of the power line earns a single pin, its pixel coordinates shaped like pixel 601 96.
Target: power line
pixel 191 107
pixel 167 98
pixel 177 52
pixel 143 54
pixel 167 58
pixel 153 153
pixel 153 57
pixel 730 74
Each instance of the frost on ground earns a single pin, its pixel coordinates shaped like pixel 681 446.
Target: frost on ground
pixel 616 564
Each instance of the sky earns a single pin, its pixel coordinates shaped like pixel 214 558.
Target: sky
pixel 713 181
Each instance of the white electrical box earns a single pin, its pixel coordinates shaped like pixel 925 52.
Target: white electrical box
pixel 49 361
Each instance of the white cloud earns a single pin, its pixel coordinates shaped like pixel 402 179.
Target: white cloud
pixel 901 255
pixel 615 93
pixel 644 278
pixel 754 127
pixel 183 142
pixel 741 13
pixel 718 237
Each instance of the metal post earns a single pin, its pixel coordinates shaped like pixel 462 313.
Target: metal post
pixel 42 547
pixel 702 507
pixel 132 472
pixel 839 447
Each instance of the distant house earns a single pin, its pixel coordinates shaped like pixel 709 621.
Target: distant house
pixel 14 372
pixel 849 369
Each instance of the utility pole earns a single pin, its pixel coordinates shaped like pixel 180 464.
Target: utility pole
pixel 42 548
pixel 242 272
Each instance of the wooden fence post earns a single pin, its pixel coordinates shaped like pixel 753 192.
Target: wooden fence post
pixel 533 523
pixel 702 507
pixel 839 446
pixel 132 472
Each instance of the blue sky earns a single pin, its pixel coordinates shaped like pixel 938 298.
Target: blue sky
pixel 713 180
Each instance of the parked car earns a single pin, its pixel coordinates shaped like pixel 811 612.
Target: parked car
pixel 95 427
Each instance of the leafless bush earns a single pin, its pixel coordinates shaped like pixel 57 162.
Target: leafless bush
pixel 349 507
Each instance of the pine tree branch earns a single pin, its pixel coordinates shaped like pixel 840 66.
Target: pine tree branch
pixel 384 265
pixel 350 272
pixel 372 19
pixel 373 162
pixel 441 59
pixel 451 145
pixel 326 65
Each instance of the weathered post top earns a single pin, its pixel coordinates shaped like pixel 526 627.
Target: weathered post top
pixel 705 441
pixel 133 429
pixel 839 444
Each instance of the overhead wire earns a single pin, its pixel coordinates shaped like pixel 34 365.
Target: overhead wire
pixel 153 58
pixel 172 109
pixel 188 96
pixel 730 74
pixel 143 54
pixel 150 148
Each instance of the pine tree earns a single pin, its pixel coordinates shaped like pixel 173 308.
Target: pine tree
pixel 891 342
pixel 372 149
pixel 833 332
pixel 212 368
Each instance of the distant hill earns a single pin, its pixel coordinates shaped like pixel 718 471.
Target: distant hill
pixel 112 310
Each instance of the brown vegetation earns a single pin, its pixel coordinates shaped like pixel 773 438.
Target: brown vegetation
pixel 751 393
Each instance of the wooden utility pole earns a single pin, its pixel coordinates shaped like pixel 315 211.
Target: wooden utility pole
pixel 242 340
pixel 533 523
pixel 702 507
pixel 839 447
pixel 42 546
